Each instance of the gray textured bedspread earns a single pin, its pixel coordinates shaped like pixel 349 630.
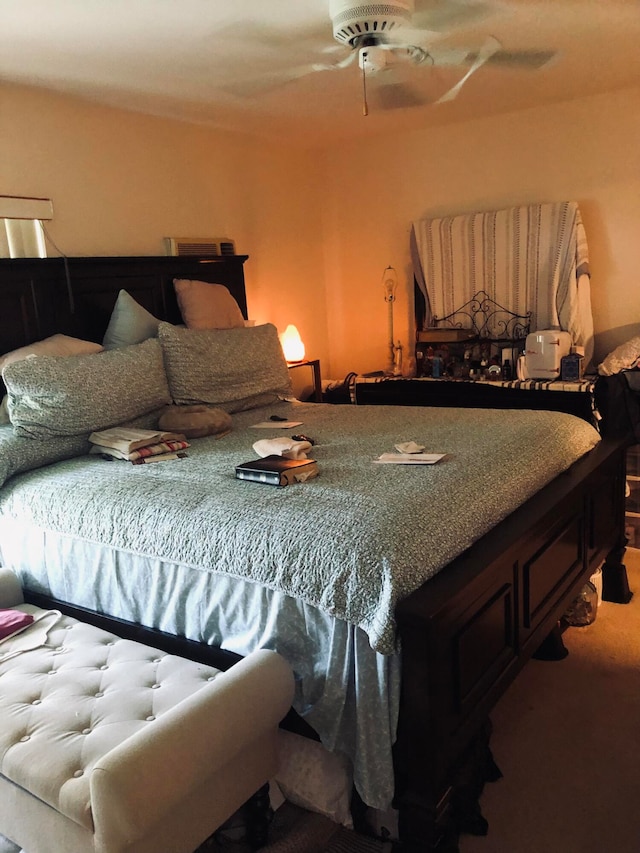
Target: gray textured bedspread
pixel 353 541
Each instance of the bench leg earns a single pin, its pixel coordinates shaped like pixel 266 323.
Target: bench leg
pixel 259 816
pixel 248 827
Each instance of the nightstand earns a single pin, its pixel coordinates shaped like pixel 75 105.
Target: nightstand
pixel 314 364
pixel 575 398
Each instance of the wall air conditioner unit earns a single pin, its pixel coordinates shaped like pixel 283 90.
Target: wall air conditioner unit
pixel 199 246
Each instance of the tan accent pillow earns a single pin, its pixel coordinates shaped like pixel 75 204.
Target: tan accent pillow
pixel 207 306
pixel 195 421
pixel 54 345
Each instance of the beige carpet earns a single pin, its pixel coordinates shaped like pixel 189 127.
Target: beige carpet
pixel 567 739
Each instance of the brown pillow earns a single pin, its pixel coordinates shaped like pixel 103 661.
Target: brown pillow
pixel 195 421
pixel 207 306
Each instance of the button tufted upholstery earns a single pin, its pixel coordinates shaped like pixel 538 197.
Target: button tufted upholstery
pixel 109 745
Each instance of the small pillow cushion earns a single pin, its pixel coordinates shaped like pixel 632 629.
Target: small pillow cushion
pixel 623 357
pixel 12 621
pixel 76 395
pixel 233 369
pixel 129 323
pixel 207 306
pixel 195 421
pixel 54 345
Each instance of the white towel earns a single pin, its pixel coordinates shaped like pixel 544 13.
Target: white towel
pixel 282 447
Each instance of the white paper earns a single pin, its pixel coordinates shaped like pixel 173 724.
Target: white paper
pixel 276 425
pixel 410 458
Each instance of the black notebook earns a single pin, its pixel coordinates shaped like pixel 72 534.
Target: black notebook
pixel 277 470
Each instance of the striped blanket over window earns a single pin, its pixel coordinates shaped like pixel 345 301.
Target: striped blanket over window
pixel 527 259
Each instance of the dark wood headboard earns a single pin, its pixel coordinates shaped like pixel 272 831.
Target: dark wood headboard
pixel 75 296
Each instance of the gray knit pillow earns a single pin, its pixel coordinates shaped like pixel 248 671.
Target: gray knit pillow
pixel 233 369
pixel 76 395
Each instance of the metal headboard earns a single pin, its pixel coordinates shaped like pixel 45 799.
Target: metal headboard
pixel 486 318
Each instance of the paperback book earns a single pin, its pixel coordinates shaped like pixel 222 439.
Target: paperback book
pixel 277 470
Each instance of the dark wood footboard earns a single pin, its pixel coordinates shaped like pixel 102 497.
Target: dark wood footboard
pixel 467 633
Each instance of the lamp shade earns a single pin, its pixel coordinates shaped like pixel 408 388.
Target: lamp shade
pixel 292 345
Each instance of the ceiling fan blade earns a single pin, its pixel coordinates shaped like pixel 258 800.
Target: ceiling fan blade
pixel 525 59
pixel 417 37
pixel 397 96
pixel 268 82
pixel 252 88
pixel 443 17
pixel 262 37
pixel 487 50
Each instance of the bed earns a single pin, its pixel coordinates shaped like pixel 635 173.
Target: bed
pixel 406 599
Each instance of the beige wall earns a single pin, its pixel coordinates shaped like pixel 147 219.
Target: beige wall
pixel 320 229
pixel 587 151
pixel 120 182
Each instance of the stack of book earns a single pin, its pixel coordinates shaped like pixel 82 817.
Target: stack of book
pixel 138 446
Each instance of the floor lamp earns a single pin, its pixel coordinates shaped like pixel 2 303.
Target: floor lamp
pixel 390 284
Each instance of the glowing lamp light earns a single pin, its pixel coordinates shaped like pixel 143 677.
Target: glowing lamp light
pixel 292 345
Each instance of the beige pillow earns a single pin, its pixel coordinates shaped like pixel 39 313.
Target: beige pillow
pixel 207 306
pixel 54 345
pixel 623 357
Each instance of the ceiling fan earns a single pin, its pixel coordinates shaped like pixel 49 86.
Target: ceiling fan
pixel 386 40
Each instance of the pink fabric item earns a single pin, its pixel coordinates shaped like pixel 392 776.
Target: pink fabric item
pixel 12 620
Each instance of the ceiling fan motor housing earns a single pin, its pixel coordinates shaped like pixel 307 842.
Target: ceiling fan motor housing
pixel 353 21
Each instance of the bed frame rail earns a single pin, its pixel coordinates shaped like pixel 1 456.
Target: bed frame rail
pixel 467 633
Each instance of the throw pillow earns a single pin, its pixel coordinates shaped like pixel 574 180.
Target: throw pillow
pixel 195 421
pixel 623 357
pixel 207 306
pixel 12 621
pixel 55 345
pixel 51 396
pixel 233 369
pixel 129 323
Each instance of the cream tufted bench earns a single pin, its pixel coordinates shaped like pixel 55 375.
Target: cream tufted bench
pixel 112 746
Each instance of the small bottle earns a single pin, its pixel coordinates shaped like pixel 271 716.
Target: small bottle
pixel 507 372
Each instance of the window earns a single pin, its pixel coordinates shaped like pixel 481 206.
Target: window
pixel 21 230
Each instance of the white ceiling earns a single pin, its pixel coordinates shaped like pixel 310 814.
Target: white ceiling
pixel 186 59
